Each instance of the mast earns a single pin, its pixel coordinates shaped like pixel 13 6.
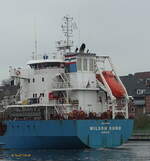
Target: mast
pixel 35 51
pixel 67 28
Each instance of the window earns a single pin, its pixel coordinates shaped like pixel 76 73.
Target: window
pixel 79 64
pixel 148 82
pixel 28 80
pixel 45 65
pixel 34 95
pixel 33 80
pixel 91 65
pixel 85 64
pixel 42 79
pixel 140 91
pixel 41 94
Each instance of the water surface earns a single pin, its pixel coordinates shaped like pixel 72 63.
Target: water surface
pixel 131 151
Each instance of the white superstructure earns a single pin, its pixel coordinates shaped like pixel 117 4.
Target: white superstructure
pixel 68 82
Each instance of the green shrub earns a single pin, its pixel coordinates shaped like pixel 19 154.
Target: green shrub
pixel 142 122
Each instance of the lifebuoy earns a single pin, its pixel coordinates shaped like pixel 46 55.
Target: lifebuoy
pixel 17 72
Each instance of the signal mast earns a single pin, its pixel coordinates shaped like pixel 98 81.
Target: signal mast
pixel 67 28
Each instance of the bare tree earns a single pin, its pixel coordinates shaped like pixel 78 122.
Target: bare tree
pixel 6 82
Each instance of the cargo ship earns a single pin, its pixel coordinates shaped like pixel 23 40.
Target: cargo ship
pixel 71 100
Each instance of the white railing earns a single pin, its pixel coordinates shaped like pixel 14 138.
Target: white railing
pixel 58 85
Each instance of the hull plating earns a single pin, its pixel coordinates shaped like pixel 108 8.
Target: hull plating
pixel 63 134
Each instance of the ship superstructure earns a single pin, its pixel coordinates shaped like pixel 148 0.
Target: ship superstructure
pixel 72 95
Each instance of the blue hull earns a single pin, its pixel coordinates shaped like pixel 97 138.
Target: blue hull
pixel 64 134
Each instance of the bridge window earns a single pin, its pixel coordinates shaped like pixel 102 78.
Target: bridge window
pixel 85 64
pixel 91 65
pixel 45 65
pixel 79 64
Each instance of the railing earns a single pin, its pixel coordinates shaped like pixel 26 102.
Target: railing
pixel 63 101
pixel 58 85
pixel 40 56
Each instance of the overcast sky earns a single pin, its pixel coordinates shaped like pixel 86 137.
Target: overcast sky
pixel 120 28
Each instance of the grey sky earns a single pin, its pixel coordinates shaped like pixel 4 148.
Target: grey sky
pixel 120 28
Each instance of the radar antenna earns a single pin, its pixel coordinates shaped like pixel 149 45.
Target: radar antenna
pixel 67 28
